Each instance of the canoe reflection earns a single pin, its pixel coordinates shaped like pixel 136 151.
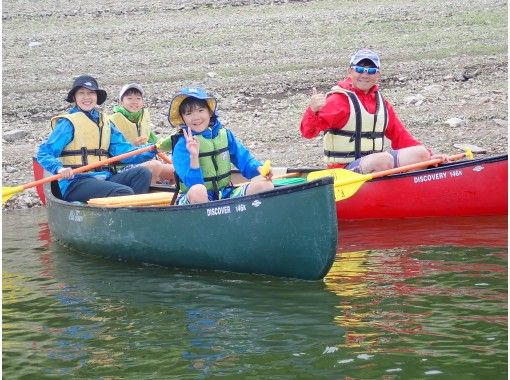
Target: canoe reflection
pixel 489 231
pixel 204 320
pixel 390 285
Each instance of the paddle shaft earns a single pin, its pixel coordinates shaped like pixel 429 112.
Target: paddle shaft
pixel 88 167
pixel 418 165
pixel 165 158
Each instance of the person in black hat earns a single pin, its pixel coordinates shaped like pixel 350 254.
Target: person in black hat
pixel 85 135
pixel 87 82
pixel 355 118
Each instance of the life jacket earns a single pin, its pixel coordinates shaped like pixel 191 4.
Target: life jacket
pixel 90 141
pixel 363 133
pixel 214 161
pixel 132 130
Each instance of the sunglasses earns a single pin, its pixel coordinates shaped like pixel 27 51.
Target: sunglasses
pixel 368 70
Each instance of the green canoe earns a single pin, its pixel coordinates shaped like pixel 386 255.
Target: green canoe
pixel 290 231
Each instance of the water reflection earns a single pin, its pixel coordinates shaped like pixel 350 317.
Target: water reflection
pixel 416 293
pixel 210 320
pixel 485 231
pixel 410 310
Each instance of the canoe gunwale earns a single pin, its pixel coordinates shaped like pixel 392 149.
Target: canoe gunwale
pixel 448 166
pixel 277 191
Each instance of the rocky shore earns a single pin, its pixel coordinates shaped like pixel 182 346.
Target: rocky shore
pixel 444 67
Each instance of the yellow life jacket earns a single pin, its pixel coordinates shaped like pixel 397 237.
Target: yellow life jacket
pixel 132 130
pixel 90 141
pixel 363 134
pixel 214 161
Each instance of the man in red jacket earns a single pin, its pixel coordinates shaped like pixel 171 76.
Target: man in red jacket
pixel 355 119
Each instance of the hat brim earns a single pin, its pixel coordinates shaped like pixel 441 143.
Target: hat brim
pixel 130 86
pixel 175 118
pixel 101 94
pixel 365 59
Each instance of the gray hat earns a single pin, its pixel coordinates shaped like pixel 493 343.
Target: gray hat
pixel 362 54
pixel 129 87
pixel 88 82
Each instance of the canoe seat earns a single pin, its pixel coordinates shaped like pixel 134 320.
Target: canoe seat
pixel 150 199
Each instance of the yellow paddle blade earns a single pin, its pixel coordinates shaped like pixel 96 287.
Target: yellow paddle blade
pixel 344 191
pixel 8 192
pixel 341 176
pixel 346 182
pixel 469 154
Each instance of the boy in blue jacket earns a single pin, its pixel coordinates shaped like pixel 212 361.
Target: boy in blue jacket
pixel 205 151
pixel 84 135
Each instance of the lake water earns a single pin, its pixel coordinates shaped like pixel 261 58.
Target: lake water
pixel 404 300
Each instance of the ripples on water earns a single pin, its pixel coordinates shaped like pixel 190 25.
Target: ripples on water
pixel 389 308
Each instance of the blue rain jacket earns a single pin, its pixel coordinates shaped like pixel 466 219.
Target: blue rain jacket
pixel 50 150
pixel 240 156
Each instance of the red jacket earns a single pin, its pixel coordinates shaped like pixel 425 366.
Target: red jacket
pixel 336 111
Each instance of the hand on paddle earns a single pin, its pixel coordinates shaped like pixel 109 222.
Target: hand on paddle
pixel 444 157
pixel 266 170
pixel 66 173
pixel 193 147
pixel 317 100
pixel 140 140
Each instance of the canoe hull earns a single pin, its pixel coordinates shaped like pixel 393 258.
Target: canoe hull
pixel 467 188
pixel 269 233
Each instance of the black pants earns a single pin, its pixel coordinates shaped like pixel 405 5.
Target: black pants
pixel 132 181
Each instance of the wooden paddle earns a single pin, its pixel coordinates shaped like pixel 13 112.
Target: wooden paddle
pixel 8 192
pixel 164 157
pixel 348 182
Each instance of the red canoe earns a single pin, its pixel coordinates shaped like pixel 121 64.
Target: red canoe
pixel 465 188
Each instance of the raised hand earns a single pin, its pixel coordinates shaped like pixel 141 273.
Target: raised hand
pixel 317 100
pixel 193 147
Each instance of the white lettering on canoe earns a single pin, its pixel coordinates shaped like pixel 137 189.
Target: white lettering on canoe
pixel 240 208
pixel 455 173
pixel 75 216
pixel 218 211
pixel 429 177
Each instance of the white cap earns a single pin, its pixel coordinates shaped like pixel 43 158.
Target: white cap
pixel 129 86
pixel 362 54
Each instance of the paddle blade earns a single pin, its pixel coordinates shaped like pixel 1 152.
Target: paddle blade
pixel 344 191
pixel 8 192
pixel 321 174
pixel 288 181
pixel 347 182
